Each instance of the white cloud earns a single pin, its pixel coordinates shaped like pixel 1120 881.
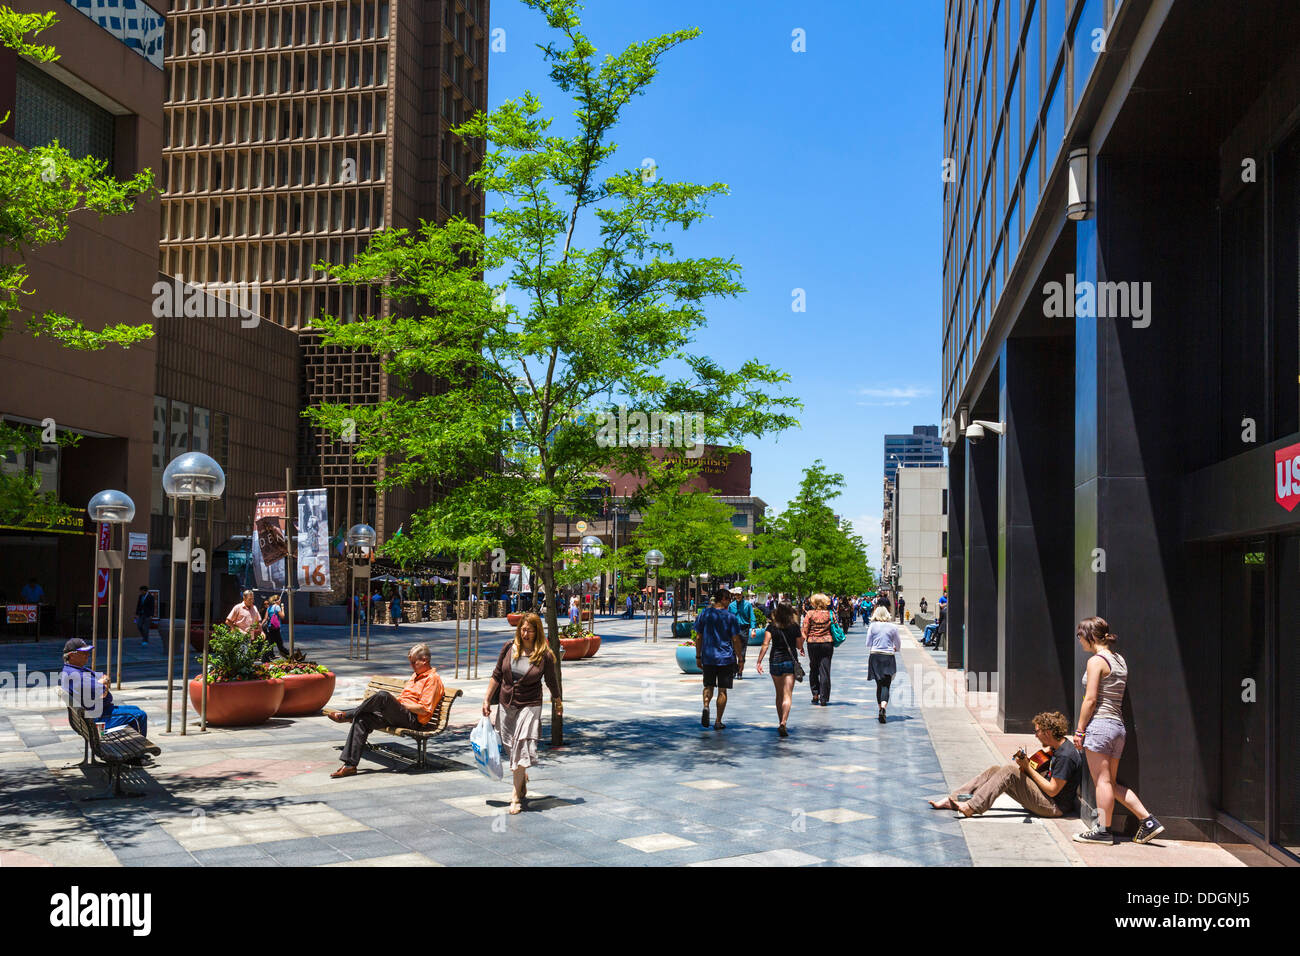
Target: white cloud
pixel 905 392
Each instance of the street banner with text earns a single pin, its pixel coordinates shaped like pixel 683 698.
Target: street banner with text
pixel 270 546
pixel 313 541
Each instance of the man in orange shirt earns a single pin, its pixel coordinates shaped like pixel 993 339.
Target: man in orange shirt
pixel 414 706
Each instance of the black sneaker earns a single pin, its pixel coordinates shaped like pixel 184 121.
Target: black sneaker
pixel 704 717
pixel 1098 834
pixel 1148 830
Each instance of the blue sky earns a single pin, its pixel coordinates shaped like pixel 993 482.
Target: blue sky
pixel 833 160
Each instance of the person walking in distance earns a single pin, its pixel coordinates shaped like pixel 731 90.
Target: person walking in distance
pixel 1101 733
pixel 821 645
pixel 145 608
pixel 785 638
pixel 744 611
pixel 715 653
pixel 882 643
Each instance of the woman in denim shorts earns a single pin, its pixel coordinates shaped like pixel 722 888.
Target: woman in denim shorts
pixel 786 639
pixel 1101 733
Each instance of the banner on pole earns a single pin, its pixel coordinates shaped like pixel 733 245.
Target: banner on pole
pixel 101 579
pixel 313 541
pixel 139 549
pixel 269 546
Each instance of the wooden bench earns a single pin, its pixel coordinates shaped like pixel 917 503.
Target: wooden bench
pixel 436 725
pixel 115 747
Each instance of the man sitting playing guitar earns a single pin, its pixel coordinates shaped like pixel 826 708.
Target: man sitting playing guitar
pixel 1046 784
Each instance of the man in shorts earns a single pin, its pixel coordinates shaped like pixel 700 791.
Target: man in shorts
pixel 716 626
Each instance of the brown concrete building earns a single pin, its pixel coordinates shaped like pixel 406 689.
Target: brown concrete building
pixel 103 97
pixel 294 131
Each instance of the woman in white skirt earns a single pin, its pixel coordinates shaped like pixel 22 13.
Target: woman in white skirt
pixel 516 686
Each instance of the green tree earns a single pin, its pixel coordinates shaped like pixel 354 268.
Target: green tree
pixel 44 188
pixel 805 548
pixel 693 529
pixel 513 437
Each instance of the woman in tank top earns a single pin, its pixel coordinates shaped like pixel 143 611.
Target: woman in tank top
pixel 1101 733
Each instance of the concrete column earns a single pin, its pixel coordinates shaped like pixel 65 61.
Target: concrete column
pixel 981 597
pixel 1035 531
pixel 956 626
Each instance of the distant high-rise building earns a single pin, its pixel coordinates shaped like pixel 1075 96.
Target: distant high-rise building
pixel 293 132
pixel 922 447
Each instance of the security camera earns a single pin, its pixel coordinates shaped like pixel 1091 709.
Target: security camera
pixel 976 429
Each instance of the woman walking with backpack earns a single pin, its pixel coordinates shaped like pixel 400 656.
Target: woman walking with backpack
pixel 785 638
pixel 272 615
pixel 1101 733
pixel 817 635
pixel 883 643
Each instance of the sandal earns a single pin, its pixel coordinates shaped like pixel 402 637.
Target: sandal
pixel 515 807
pixel 719 726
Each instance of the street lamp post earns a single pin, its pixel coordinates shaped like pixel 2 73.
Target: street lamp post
pixel 360 541
pixel 591 545
pixel 110 508
pixel 653 560
pixel 195 477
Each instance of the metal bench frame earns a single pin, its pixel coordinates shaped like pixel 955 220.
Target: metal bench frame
pixel 115 748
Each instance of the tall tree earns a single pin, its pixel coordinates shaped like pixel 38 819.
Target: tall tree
pixel 44 187
pixel 806 548
pixel 520 438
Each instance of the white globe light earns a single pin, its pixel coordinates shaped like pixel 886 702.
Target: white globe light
pixel 111 507
pixel 592 545
pixel 654 558
pixel 193 475
pixel 361 536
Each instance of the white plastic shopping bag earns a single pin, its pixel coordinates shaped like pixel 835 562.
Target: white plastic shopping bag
pixel 486 744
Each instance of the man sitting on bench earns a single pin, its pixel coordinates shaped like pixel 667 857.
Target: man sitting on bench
pixel 412 708
pixel 88 691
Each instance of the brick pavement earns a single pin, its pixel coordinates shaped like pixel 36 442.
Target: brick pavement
pixel 638 781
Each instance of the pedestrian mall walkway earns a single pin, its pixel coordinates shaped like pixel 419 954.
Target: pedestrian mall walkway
pixel 637 782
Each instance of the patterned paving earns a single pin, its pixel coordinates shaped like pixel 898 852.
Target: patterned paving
pixel 638 781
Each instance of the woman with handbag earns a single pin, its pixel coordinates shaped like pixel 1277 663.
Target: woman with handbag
pixel 273 614
pixel 817 635
pixel 883 643
pixel 516 687
pixel 784 635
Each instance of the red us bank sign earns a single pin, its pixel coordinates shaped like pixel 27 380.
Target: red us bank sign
pixel 1287 461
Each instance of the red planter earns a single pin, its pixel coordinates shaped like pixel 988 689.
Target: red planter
pixel 575 649
pixel 593 644
pixel 585 615
pixel 303 694
pixel 513 618
pixel 241 703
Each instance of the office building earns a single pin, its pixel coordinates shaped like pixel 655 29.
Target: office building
pixel 922 447
pixel 1120 303
pixel 103 97
pixel 295 131
pixel 918 543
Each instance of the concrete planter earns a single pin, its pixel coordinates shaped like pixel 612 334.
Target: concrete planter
pixel 303 694
pixel 243 703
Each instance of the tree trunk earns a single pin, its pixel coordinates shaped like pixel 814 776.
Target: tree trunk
pixel 552 624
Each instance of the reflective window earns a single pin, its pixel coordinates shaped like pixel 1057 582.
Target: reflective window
pixel 1033 66
pixel 1054 20
pixel 159 453
pixel 1055 121
pixel 1086 44
pixel 1031 184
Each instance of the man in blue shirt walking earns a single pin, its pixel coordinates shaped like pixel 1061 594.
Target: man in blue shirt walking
pixel 715 654
pixel 744 611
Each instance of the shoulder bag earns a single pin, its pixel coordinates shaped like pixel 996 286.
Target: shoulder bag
pixel 837 632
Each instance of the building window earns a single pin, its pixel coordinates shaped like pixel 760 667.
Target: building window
pixel 46 110
pixel 740 520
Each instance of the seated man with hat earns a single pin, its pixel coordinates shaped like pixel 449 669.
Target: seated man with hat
pixel 89 691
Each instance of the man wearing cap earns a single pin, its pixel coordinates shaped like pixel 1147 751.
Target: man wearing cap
pixel 744 612
pixel 88 690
